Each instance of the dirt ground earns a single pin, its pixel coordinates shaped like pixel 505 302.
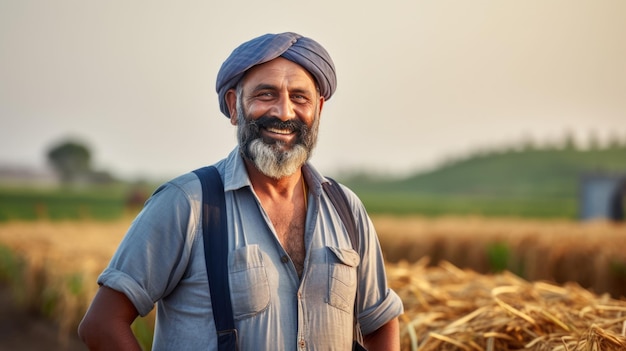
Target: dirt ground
pixel 20 330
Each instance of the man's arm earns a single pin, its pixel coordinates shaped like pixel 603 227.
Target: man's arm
pixel 385 338
pixel 106 325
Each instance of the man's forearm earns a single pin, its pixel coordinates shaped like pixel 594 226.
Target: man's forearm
pixel 121 339
pixel 385 338
pixel 106 325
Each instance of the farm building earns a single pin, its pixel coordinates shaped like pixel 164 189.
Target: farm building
pixel 602 196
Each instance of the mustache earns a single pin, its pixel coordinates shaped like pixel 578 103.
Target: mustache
pixel 293 125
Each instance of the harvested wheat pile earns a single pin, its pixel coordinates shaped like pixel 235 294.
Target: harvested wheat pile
pixel 447 308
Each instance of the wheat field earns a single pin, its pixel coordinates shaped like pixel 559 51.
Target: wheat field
pixel 590 253
pixel 433 264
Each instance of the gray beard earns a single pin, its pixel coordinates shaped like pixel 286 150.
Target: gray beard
pixel 276 163
pixel 274 160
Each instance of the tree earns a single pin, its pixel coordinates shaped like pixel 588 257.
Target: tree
pixel 569 142
pixel 71 160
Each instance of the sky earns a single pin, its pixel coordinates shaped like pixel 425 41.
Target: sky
pixel 419 82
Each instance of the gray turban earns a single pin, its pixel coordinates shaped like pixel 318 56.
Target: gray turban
pixel 304 51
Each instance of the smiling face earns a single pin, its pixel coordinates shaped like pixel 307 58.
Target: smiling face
pixel 276 107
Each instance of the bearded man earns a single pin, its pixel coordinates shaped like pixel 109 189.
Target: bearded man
pixel 296 280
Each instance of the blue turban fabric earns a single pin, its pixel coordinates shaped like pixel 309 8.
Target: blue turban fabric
pixel 294 47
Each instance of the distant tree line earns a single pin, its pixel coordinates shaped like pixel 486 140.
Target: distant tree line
pixel 567 142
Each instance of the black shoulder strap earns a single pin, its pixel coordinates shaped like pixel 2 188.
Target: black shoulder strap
pixel 214 231
pixel 340 201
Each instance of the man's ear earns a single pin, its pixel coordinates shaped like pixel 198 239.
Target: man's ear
pixel 231 102
pixel 321 105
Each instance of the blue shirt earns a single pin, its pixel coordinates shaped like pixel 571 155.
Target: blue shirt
pixel 161 259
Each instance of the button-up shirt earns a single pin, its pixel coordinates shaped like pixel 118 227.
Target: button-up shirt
pixel 161 260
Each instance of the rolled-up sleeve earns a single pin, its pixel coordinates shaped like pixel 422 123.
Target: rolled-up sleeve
pixel 390 307
pixel 155 251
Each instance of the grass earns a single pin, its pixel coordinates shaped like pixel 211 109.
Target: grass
pixel 542 173
pixel 445 205
pixel 10 265
pixel 498 255
pixel 532 183
pixel 104 203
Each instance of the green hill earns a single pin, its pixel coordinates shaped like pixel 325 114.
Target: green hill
pixel 531 183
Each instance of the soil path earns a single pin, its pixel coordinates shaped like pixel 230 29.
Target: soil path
pixel 20 330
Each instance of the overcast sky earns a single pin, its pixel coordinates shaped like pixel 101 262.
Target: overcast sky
pixel 418 81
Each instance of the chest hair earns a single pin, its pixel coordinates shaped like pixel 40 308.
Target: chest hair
pixel 289 227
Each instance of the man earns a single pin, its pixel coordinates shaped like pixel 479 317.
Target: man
pixel 292 269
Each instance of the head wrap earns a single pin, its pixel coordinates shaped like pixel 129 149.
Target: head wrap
pixel 304 51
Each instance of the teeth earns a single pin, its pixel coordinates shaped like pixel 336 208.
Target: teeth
pixel 279 131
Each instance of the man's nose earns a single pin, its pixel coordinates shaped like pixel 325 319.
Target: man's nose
pixel 283 109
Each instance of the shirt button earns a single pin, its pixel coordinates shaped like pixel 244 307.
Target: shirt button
pixel 284 259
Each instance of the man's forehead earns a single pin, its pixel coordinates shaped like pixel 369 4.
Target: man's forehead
pixel 277 72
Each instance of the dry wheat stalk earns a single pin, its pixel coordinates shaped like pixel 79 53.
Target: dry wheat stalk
pixel 447 308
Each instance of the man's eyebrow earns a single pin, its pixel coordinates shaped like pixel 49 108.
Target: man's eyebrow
pixel 264 87
pixel 301 91
pixel 294 90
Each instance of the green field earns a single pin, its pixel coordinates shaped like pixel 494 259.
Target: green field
pixel 439 205
pixel 531 183
pixel 61 203
pixel 103 204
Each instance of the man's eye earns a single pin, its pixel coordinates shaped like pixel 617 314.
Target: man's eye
pixel 265 95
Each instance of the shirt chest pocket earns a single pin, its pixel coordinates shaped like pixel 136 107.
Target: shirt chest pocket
pixel 249 286
pixel 342 278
